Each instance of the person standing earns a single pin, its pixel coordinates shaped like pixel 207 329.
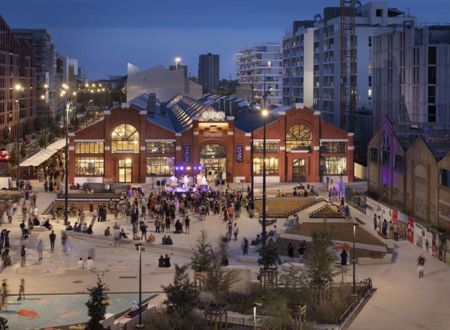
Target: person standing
pixel 23 254
pixel 21 290
pixel 187 223
pixel 235 231
pixel 40 249
pixel 245 246
pixel 52 238
pixel 420 266
pixel 4 301
pixel 290 252
pixel 344 256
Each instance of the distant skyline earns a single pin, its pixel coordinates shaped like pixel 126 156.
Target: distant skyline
pixel 104 35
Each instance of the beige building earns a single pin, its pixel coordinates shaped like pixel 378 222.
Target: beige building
pixel 412 172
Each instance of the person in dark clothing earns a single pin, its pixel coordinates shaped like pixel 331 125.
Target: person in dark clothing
pixel 167 261
pixel 384 227
pixel 344 256
pixel 420 265
pixel 178 227
pixel 52 237
pixel 301 249
pixel 245 247
pixel 161 261
pixel 290 252
pixel 187 222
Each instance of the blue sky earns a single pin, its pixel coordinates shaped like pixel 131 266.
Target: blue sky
pixel 106 34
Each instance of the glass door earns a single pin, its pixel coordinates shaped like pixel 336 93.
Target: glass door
pixel 298 170
pixel 125 170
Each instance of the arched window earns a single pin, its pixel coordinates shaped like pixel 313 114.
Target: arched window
pixel 298 137
pixel 213 151
pixel 125 138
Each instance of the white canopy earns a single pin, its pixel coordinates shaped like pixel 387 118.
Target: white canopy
pixel 43 155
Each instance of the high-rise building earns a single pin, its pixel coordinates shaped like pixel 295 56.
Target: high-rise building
pixel 411 69
pixel 259 74
pixel 298 58
pixel 17 85
pixel 327 55
pixel 208 71
pixel 45 58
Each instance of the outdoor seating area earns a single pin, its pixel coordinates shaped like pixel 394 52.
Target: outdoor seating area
pixel 282 207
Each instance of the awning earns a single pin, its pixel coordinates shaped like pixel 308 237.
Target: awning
pixel 43 155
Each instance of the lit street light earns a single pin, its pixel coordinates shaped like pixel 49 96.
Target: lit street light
pixel 265 114
pixel 139 247
pixel 177 61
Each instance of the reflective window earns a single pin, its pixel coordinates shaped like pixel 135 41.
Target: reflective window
pixel 213 151
pixel 333 166
pixel 332 147
pixel 161 147
pixel 298 137
pixel 160 166
pixel 125 138
pixel 271 146
pixel 271 166
pixel 89 147
pixel 89 166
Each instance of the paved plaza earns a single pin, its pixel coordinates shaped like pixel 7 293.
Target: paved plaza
pixel 402 300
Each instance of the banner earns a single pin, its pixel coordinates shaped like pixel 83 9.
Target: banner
pixel 187 153
pixel 239 153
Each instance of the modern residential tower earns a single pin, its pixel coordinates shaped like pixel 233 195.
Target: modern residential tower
pixel 208 72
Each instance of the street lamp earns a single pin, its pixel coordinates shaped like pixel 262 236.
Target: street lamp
pixel 177 61
pixel 64 93
pixel 265 114
pixel 18 88
pixel 355 224
pixel 139 247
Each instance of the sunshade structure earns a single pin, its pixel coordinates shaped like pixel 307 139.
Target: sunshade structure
pixel 43 155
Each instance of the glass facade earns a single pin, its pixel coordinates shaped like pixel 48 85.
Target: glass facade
pixel 333 166
pixel 125 138
pixel 271 146
pixel 271 166
pixel 332 147
pixel 161 147
pixel 298 137
pixel 160 166
pixel 89 147
pixel 89 166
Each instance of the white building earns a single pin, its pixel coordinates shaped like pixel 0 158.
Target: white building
pixel 163 82
pixel 259 72
pixel 298 59
pixel 412 76
pixel 327 51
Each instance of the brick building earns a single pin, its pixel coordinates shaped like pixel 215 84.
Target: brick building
pixel 17 107
pixel 145 141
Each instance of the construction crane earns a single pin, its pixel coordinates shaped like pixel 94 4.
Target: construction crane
pixel 348 64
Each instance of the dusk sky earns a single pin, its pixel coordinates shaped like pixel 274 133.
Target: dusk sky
pixel 106 34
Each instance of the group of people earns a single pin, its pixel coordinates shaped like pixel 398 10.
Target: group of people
pixel 80 228
pixel 164 262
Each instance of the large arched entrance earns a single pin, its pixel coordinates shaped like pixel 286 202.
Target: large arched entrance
pixel 213 159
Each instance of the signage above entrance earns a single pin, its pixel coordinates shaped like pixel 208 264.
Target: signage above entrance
pixel 212 134
pixel 212 115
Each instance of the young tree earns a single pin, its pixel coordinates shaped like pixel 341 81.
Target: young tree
pixel 320 259
pixel 181 294
pixel 98 300
pixel 203 254
pixel 268 255
pixel 42 140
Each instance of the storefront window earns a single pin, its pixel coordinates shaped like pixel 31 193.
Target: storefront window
pixel 125 138
pixel 332 147
pixel 298 137
pixel 89 166
pixel 160 166
pixel 88 147
pixel 271 146
pixel 271 166
pixel 213 151
pixel 161 147
pixel 333 166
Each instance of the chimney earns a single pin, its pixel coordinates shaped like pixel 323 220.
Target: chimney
pixel 151 104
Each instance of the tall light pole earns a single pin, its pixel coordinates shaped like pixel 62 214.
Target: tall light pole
pixel 265 114
pixel 140 248
pixel 64 93
pixel 177 62
pixel 18 89
pixel 355 224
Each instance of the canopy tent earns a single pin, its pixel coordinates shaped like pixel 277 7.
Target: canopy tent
pixel 43 155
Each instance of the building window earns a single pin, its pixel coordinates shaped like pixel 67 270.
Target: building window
pixel 125 138
pixel 88 147
pixel 432 113
pixel 333 166
pixel 332 147
pixel 271 166
pixel 379 12
pixel 160 166
pixel 161 147
pixel 432 55
pixel 373 154
pixel 89 166
pixel 399 163
pixel 445 178
pixel 298 137
pixel 271 146
pixel 432 75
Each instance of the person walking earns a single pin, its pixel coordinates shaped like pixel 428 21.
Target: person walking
pixel 290 252
pixel 344 256
pixel 245 246
pixel 52 238
pixel 235 231
pixel 187 223
pixel 420 265
pixel 4 301
pixel 40 249
pixel 21 290
pixel 23 254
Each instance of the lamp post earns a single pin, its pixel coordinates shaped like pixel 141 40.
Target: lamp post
pixel 177 61
pixel 18 88
pixel 264 113
pixel 355 224
pixel 139 247
pixel 66 154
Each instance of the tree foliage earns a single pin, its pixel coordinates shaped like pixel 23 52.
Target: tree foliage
pixel 320 258
pixel 203 254
pixel 181 294
pixel 98 300
pixel 268 255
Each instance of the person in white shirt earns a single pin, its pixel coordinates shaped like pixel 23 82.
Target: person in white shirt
pixel 90 264
pixel 81 263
